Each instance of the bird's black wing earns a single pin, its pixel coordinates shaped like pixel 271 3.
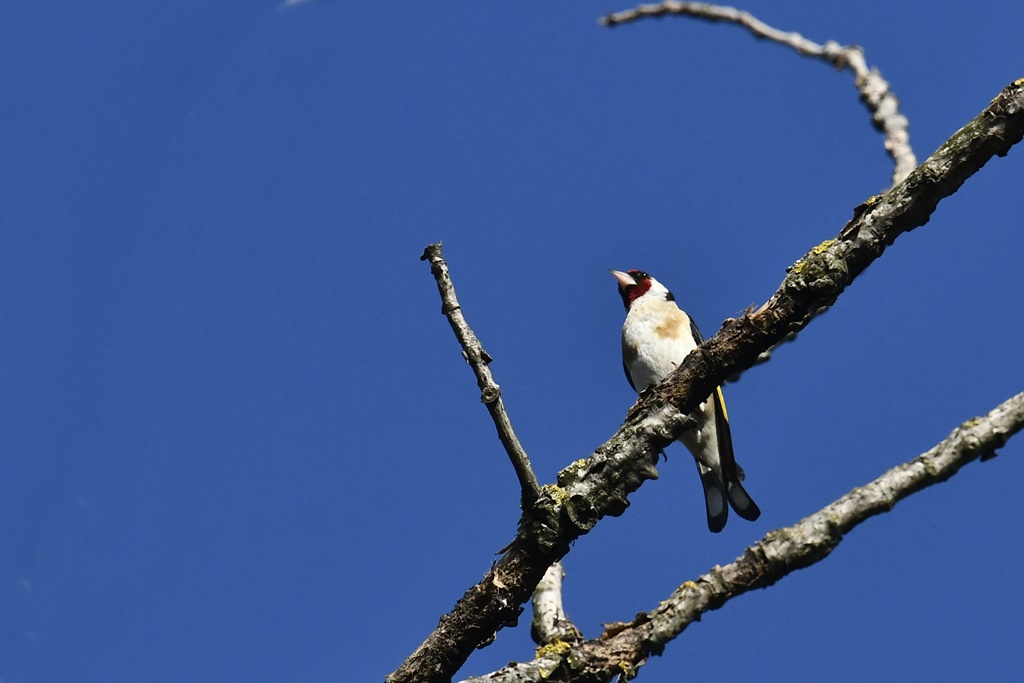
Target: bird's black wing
pixel 629 379
pixel 740 500
pixel 695 332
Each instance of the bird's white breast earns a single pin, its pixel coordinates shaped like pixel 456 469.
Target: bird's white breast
pixel 656 337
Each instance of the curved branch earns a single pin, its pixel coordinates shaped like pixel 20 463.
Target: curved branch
pixel 781 552
pixel 874 90
pixel 551 626
pixel 478 359
pixel 590 489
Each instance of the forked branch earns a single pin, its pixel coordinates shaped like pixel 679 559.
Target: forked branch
pixel 625 647
pixel 590 489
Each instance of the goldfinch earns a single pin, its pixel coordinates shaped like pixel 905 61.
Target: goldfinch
pixel 656 337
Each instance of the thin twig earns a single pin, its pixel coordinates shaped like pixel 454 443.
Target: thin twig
pixel 598 486
pixel 626 646
pixel 874 90
pixel 490 393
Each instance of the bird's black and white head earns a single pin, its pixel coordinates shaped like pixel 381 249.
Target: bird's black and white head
pixel 636 284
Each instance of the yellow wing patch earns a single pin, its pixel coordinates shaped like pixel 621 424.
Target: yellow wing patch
pixel 721 402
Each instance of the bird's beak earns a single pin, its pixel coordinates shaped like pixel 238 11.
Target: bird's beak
pixel 624 279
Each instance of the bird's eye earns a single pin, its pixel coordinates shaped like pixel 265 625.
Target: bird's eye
pixel 640 275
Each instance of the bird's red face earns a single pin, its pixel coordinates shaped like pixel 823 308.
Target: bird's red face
pixel 633 284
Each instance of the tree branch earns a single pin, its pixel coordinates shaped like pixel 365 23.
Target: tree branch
pixel 478 359
pixel 874 90
pixel 625 647
pixel 550 624
pixel 590 489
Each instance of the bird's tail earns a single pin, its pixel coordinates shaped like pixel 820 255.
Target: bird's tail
pixel 714 498
pixel 739 499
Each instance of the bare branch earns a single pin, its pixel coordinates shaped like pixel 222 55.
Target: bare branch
pixel 478 359
pixel 542 668
pixel 590 489
pixel 874 90
pixel 781 552
pixel 550 624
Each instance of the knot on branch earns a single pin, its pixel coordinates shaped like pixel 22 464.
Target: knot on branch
pixel 581 512
pixel 539 526
pixel 668 423
pixel 822 272
pixel 490 393
pixel 599 485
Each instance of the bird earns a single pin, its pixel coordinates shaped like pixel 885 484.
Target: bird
pixel 656 336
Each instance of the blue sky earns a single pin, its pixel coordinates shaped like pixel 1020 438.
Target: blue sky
pixel 240 443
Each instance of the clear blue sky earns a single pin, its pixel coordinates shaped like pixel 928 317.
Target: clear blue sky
pixel 238 440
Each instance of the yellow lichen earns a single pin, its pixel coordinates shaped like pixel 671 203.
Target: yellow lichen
pixel 1019 82
pixel 824 246
pixel 556 492
pixel 555 647
pixel 801 265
